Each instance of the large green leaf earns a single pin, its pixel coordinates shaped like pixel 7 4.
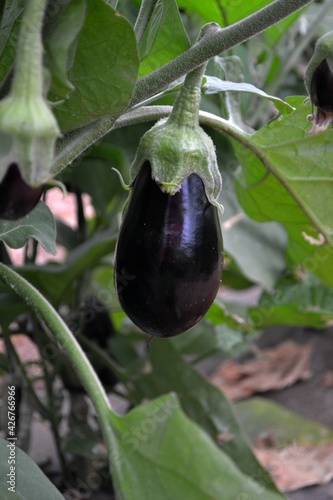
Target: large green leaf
pixel 290 180
pixel 159 453
pixel 204 404
pixel 54 280
pixel 307 302
pixel 9 28
pixel 60 45
pixel 230 12
pixel 257 248
pixel 260 415
pixel 164 39
pixel 104 69
pixel 30 482
pixel 38 224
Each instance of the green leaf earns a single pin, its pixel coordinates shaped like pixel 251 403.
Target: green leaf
pixel 38 224
pixel 208 340
pixel 104 69
pixel 204 404
pixel 259 415
pixel 307 302
pixel 11 306
pixel 302 163
pixel 230 12
pixel 213 85
pixel 221 332
pixel 9 28
pixel 54 280
pixel 292 184
pixel 258 248
pixel 231 68
pixel 161 453
pixel 30 482
pixel 59 46
pixel 92 174
pixel 164 39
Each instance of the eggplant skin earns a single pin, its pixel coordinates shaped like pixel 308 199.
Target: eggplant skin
pixel 169 256
pixel 322 87
pixel 17 198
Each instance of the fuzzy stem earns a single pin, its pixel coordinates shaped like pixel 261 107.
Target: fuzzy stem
pixel 185 110
pixel 154 113
pixel 68 342
pixel 28 73
pixel 210 46
pixel 142 21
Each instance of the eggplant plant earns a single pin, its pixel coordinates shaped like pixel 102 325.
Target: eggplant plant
pixel 187 95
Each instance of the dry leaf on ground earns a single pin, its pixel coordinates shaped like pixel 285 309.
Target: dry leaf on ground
pixel 271 369
pixel 296 467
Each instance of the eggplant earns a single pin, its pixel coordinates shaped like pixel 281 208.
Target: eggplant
pixel 322 87
pixel 169 256
pixel 17 198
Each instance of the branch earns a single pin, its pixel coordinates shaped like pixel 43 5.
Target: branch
pixel 214 41
pixel 213 44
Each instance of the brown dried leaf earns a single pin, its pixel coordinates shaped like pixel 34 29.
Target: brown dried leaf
pixel 272 369
pixel 296 467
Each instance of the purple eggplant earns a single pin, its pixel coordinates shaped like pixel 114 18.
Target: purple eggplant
pixel 169 256
pixel 17 198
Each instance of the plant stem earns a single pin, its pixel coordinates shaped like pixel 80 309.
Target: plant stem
pixel 67 341
pixel 12 351
pixel 214 41
pixel 187 104
pixel 28 72
pixel 154 113
pixel 142 21
pixel 211 45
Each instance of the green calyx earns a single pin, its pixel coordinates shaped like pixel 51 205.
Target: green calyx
pixel 177 146
pixel 28 131
pixel 28 128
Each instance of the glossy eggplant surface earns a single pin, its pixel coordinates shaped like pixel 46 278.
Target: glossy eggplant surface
pixel 321 87
pixel 169 256
pixel 17 198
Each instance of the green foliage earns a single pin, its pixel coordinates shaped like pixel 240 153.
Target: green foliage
pixel 165 37
pixel 38 224
pixel 28 476
pixel 150 434
pixel 105 47
pixel 186 441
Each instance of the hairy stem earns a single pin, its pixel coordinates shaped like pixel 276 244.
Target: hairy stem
pixel 28 72
pixel 212 44
pixel 68 342
pixel 214 41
